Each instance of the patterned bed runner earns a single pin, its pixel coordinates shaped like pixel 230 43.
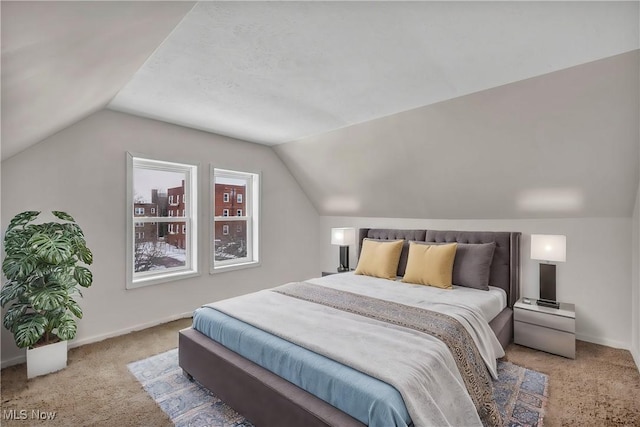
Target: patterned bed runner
pixel 447 329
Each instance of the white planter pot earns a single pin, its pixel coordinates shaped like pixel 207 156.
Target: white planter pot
pixel 46 359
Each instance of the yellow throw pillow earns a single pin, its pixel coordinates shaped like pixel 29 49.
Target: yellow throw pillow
pixel 430 265
pixel 379 259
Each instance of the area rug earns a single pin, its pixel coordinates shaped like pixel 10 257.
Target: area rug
pixel 521 394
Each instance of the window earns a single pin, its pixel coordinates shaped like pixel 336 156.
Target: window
pixel 241 248
pixel 167 249
pixel 139 224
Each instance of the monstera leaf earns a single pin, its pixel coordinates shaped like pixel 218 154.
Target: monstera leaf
pixel 30 330
pixel 75 309
pixel 67 328
pixel 48 298
pixel 22 219
pixel 83 276
pixel 12 291
pixel 13 315
pixel 19 264
pixel 54 249
pixel 63 216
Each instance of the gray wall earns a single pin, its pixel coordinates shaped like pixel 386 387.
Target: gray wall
pixel 561 145
pixel 596 276
pixel 81 170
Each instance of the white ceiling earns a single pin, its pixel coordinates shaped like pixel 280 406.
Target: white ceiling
pixel 276 72
pixel 273 72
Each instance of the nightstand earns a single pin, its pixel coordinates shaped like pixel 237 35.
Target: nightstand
pixel 548 329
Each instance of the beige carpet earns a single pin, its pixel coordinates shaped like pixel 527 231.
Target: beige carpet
pixel 600 388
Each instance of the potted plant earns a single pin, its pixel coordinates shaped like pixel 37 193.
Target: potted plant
pixel 43 278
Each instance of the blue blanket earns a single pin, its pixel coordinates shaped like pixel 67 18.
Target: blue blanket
pixel 369 400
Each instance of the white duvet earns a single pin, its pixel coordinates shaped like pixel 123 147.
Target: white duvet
pixel 418 365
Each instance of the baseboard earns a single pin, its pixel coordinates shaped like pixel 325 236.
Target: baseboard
pixel 14 361
pixel 97 338
pixel 604 341
pixel 635 352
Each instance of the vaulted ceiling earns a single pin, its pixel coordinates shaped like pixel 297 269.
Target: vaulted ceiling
pixel 560 145
pixel 293 74
pixel 62 61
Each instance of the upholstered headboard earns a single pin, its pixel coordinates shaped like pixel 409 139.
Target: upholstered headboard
pixel 505 267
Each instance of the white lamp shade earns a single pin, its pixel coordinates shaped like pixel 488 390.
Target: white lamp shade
pixel 343 236
pixel 549 247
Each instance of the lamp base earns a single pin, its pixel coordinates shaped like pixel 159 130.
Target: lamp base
pixel 344 259
pixel 548 303
pixel 547 282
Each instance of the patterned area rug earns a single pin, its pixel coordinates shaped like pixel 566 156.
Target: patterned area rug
pixel 521 394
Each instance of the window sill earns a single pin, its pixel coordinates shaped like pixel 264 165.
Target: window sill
pixel 233 267
pixel 170 277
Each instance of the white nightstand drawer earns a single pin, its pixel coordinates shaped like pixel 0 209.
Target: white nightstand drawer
pixel 561 323
pixel 545 339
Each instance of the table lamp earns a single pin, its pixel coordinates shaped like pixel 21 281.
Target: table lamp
pixel 549 248
pixel 343 237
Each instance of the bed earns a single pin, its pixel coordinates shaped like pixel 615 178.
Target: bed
pixel 268 400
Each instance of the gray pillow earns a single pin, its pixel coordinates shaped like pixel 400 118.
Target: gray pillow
pixel 472 264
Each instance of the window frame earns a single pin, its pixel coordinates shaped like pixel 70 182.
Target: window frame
pixel 251 211
pixel 190 219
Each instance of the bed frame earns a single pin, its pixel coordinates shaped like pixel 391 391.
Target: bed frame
pixel 268 400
